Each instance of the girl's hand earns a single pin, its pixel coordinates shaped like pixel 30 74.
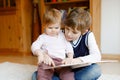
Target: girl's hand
pixel 40 58
pixel 67 61
pixel 40 55
pixel 48 60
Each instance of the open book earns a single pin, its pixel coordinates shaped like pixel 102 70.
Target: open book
pixel 82 64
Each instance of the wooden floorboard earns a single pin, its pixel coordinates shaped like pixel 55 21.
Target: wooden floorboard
pixel 30 59
pixel 19 59
pixel 111 56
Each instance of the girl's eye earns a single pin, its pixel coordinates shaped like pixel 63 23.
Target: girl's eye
pixel 56 27
pixel 49 27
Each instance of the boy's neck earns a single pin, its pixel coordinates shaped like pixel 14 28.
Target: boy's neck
pixel 85 32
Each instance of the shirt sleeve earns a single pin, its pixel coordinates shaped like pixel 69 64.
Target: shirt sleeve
pixel 36 45
pixel 69 48
pixel 94 52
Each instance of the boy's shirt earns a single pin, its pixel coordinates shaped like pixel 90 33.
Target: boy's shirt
pixel 90 49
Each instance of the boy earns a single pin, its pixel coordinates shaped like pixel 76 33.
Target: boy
pixel 77 31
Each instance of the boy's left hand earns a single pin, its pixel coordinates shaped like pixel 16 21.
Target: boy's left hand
pixel 76 61
pixel 67 61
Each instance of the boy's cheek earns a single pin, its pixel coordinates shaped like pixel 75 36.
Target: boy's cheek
pixel 68 38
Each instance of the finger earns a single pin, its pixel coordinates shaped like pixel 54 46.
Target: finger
pixel 63 62
pixel 53 64
pixel 38 62
pixel 49 63
pixel 45 62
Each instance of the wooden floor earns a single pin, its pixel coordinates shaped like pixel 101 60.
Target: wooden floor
pixel 109 68
pixel 19 59
pixel 30 59
pixel 24 59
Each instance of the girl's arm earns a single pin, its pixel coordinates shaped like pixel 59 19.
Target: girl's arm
pixel 36 49
pixel 36 46
pixel 40 52
pixel 69 53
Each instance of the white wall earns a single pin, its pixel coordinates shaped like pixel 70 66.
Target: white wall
pixel 110 26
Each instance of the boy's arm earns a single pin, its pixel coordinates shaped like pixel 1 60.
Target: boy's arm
pixel 68 59
pixel 70 55
pixel 94 52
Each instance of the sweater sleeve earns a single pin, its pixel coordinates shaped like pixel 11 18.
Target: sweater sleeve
pixel 36 45
pixel 69 48
pixel 94 52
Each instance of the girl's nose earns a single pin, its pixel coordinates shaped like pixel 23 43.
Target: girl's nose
pixel 53 29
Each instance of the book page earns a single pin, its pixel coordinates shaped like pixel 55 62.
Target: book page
pixel 82 64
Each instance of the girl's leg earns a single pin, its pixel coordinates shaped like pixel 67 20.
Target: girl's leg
pixel 66 74
pixel 44 74
pixel 91 72
pixel 34 76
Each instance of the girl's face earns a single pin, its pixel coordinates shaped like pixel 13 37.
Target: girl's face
pixel 71 34
pixel 52 30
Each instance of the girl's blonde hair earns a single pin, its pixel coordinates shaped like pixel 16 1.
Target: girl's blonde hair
pixel 51 16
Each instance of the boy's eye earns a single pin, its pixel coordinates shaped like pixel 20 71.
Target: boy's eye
pixel 75 32
pixel 66 28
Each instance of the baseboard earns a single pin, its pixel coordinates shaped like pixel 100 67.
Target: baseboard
pixel 111 56
pixel 12 52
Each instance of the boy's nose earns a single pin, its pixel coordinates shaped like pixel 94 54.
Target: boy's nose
pixel 69 33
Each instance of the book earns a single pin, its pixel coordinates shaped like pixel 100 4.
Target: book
pixel 82 64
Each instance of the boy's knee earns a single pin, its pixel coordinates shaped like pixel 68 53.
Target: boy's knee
pixel 34 76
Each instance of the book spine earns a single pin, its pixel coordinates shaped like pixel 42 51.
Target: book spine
pixel 54 0
pixel 59 0
pixel 47 0
pixel 64 0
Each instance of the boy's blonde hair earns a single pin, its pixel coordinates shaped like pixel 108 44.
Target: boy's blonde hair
pixel 79 19
pixel 51 16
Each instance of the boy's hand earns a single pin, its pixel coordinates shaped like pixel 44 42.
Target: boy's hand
pixel 67 61
pixel 76 61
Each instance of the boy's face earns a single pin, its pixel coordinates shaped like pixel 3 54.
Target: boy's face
pixel 71 34
pixel 52 30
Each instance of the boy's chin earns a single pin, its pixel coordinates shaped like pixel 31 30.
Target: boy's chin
pixel 68 39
